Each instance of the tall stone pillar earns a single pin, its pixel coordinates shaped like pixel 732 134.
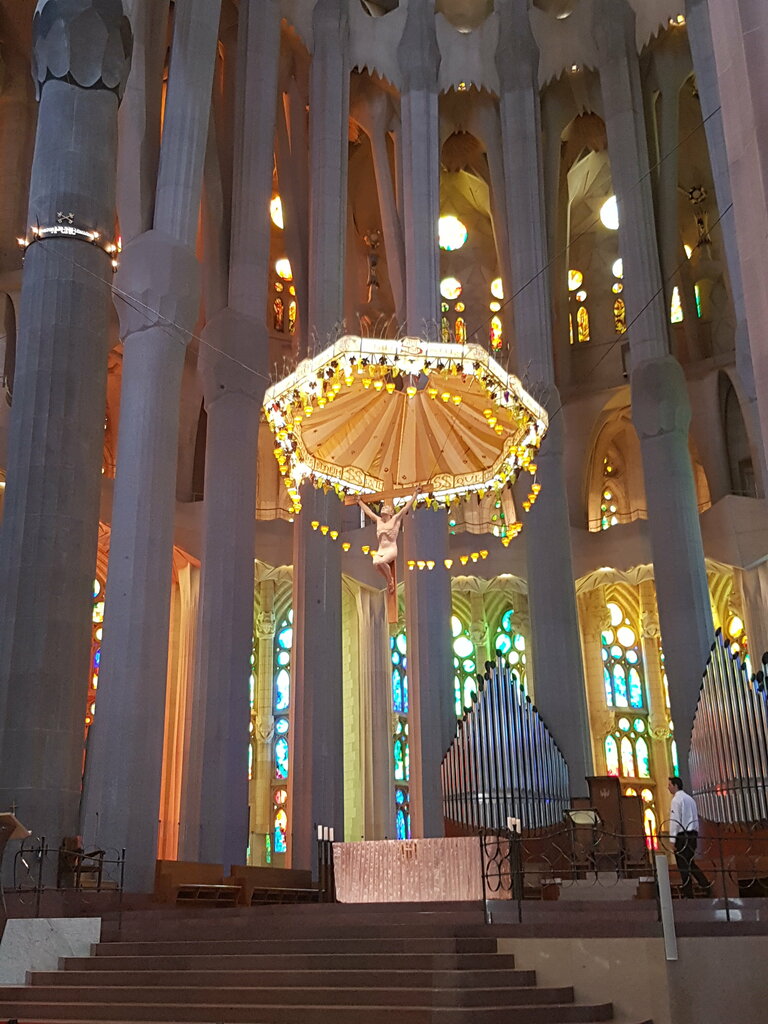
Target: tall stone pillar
pixel 51 518
pixel 556 653
pixel 660 406
pixel 317 771
pixel 594 619
pixel 234 362
pixel 707 85
pixel 427 594
pixel 159 278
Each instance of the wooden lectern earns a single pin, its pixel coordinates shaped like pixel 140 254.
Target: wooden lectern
pixel 10 828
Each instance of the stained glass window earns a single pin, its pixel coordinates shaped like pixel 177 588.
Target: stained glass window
pixel 512 645
pixel 281 750
pixel 582 323
pixel 292 314
pixel 460 331
pixel 626 753
pixel 676 315
pixel 611 756
pixel 464 666
pixel 622 663
pixel 401 764
pixel 496 333
pixel 620 316
pixel 278 315
pixel 97 631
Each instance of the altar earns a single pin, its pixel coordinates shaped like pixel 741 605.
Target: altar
pixel 408 870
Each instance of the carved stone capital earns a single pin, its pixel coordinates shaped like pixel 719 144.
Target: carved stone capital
pixel 157 285
pixel 658 728
pixel 266 624
pixel 650 628
pixel 263 727
pixel 87 43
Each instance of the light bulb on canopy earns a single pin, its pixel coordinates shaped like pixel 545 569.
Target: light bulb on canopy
pixel 383 418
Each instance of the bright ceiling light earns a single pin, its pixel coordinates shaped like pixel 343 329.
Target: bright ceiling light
pixel 609 214
pixel 283 269
pixel 276 211
pixel 451 233
pixel 450 288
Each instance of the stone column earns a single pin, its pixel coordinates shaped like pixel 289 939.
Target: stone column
pixel 316 786
pixel 660 407
pixel 234 363
pixel 702 50
pixel 658 713
pixel 556 653
pixel 432 722
pixel 50 527
pixel 159 279
pixel 263 721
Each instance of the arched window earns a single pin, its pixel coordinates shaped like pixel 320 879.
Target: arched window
pixel 464 666
pixel 278 315
pixel 281 703
pixel 578 312
pixel 460 331
pixel 496 333
pixel 582 323
pixel 622 663
pixel 626 750
pixel 620 316
pixel 401 760
pixel 512 645
pixel 740 465
pixel 676 315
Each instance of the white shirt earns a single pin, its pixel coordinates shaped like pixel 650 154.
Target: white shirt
pixel 683 815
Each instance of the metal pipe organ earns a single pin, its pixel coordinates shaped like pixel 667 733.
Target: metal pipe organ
pixel 503 762
pixel 729 745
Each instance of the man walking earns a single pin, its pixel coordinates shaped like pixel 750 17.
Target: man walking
pixel 684 828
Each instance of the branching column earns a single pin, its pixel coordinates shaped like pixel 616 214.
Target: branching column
pixel 702 50
pixel 660 406
pixel 50 526
pixel 551 596
pixel 159 279
pixel 234 361
pixel 316 772
pixel 427 595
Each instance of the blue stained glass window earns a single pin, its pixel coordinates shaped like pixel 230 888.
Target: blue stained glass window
pixel 608 687
pixel 281 758
pixel 399 797
pixel 506 620
pixel 643 761
pixel 282 690
pixel 635 688
pixel 281 726
pixel 611 756
pixel 620 687
pixel 400 825
pixel 285 638
pixel 503 643
pixel 512 646
pixel 402 643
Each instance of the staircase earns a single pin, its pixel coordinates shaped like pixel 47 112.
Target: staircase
pixel 296 965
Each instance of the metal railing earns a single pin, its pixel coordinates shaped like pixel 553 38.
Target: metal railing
pixel 563 864
pixel 39 869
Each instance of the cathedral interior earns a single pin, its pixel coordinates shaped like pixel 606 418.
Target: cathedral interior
pixel 197 664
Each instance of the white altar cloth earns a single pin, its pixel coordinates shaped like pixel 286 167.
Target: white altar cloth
pixel 408 870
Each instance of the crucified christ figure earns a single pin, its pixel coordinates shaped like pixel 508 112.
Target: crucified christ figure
pixel 387 529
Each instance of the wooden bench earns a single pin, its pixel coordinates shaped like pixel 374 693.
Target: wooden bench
pixel 270 895
pixel 207 895
pixel 173 875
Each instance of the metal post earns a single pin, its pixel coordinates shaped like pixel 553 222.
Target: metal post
pixel 665 903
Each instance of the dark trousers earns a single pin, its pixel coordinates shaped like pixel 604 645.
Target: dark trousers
pixel 685 851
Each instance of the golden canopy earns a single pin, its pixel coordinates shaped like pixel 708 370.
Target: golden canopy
pixel 393 417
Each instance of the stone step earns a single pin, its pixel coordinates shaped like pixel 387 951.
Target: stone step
pixel 284 961
pixel 255 927
pixel 194 996
pixel 224 1013
pixel 343 976
pixel 407 944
